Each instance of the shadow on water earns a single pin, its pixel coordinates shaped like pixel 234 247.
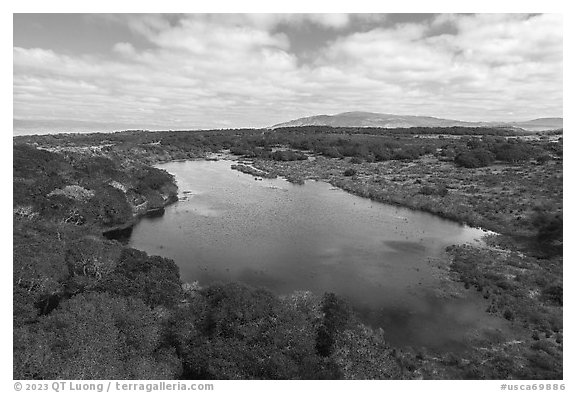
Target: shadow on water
pixel 437 324
pixel 156 213
pixel 121 235
pixel 405 246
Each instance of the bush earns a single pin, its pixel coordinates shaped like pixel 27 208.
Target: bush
pixel 153 279
pixel 288 155
pixel 331 152
pixel 407 153
pixel 514 152
pixel 548 225
pixel 94 336
pixel 475 158
pixel 427 190
pixel 554 294
pixel 231 331
pixel 152 178
pixel 440 190
pixel 108 207
pixel 91 258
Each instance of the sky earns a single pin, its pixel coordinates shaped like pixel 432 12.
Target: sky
pixel 105 72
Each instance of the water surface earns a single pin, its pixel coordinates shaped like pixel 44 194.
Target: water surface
pixel 270 233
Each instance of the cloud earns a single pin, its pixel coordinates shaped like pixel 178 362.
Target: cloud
pixel 220 70
pixel 492 61
pixel 124 48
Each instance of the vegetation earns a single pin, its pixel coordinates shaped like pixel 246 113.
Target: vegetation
pixel 474 158
pixel 252 171
pixel 86 307
pixel 526 290
pixel 350 172
pixel 288 144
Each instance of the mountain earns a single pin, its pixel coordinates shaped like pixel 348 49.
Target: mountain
pixel 542 124
pixel 384 120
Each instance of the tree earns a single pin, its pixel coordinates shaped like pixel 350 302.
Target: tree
pixel 108 207
pixel 231 331
pixel 94 336
pixel 153 279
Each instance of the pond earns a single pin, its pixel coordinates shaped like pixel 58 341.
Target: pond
pixel 388 262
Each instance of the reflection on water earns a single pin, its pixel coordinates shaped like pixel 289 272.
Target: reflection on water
pixel 285 237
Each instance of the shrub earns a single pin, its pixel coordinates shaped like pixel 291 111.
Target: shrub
pixel 513 152
pixel 153 279
pixel 288 155
pixel 549 226
pixel 232 331
pixel 152 178
pixel 427 190
pixel 554 294
pixel 108 207
pixel 332 152
pixel 94 336
pixel 475 158
pixel 440 190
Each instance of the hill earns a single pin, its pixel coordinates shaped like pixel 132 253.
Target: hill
pixel 384 120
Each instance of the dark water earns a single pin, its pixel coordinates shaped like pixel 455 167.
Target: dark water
pixel 269 233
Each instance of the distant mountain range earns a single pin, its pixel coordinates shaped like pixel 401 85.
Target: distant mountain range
pixel 383 120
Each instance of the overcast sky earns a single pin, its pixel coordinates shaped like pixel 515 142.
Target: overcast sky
pixel 111 72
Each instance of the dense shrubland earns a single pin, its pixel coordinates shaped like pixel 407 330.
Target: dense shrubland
pixel 368 144
pixel 89 308
pixel 85 189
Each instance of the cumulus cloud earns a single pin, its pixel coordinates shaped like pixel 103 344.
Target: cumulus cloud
pixel 493 61
pixel 240 70
pixel 124 48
